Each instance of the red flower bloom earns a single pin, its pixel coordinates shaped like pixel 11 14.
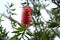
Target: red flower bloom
pixel 26 15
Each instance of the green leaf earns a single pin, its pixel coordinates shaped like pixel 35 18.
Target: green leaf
pixel 0 30
pixel 6 6
pixel 38 13
pixel 33 20
pixel 53 24
pixel 55 11
pixel 27 37
pixel 14 14
pixel 29 33
pixel 20 29
pixel 1 19
pixel 15 37
pixel 42 23
pixel 24 3
pixel 15 31
pixel 13 9
pixel 11 5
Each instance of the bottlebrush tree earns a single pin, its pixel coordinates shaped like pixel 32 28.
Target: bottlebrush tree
pixel 32 17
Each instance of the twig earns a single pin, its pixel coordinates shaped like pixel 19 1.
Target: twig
pixel 56 3
pixel 52 28
pixel 55 32
pixel 10 18
pixel 23 33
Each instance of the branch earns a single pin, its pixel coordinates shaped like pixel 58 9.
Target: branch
pixel 55 32
pixel 16 22
pixel 52 18
pixel 56 4
pixel 10 18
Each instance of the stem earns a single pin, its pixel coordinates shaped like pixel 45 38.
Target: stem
pixel 52 28
pixel 27 3
pixel 55 32
pixel 10 18
pixel 55 2
pixel 23 33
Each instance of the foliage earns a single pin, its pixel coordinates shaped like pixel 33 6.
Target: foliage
pixel 3 33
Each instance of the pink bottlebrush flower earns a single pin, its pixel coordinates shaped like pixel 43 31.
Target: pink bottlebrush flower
pixel 26 15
